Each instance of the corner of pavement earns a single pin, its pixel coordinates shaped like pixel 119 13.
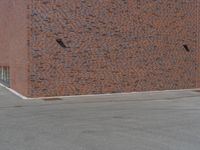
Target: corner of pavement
pixel 9 99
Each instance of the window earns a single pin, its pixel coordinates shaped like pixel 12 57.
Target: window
pixel 5 75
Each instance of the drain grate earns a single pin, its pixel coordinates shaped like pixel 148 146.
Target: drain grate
pixel 18 106
pixel 52 99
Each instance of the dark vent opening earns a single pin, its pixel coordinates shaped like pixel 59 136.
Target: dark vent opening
pixel 60 42
pixel 186 48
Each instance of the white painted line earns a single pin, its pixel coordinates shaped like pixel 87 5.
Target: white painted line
pixel 14 92
pixel 91 95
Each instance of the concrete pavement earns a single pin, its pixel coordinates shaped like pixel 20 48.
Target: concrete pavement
pixel 167 120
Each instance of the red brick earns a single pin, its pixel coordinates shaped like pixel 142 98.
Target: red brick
pixel 111 46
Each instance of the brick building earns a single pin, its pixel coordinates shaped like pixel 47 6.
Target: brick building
pixel 72 47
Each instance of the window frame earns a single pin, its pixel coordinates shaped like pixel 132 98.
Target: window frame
pixel 5 75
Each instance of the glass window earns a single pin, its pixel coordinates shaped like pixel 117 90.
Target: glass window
pixel 4 75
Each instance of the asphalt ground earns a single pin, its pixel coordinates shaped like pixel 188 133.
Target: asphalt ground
pixel 167 120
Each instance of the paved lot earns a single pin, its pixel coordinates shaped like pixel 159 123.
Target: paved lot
pixel 142 121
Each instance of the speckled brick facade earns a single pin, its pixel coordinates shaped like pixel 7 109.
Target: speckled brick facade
pixel 112 46
pixel 198 44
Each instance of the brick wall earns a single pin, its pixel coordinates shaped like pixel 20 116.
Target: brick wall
pixel 112 46
pixel 198 44
pixel 13 42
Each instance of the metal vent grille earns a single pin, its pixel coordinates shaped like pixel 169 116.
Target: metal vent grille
pixel 52 99
pixel 197 91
